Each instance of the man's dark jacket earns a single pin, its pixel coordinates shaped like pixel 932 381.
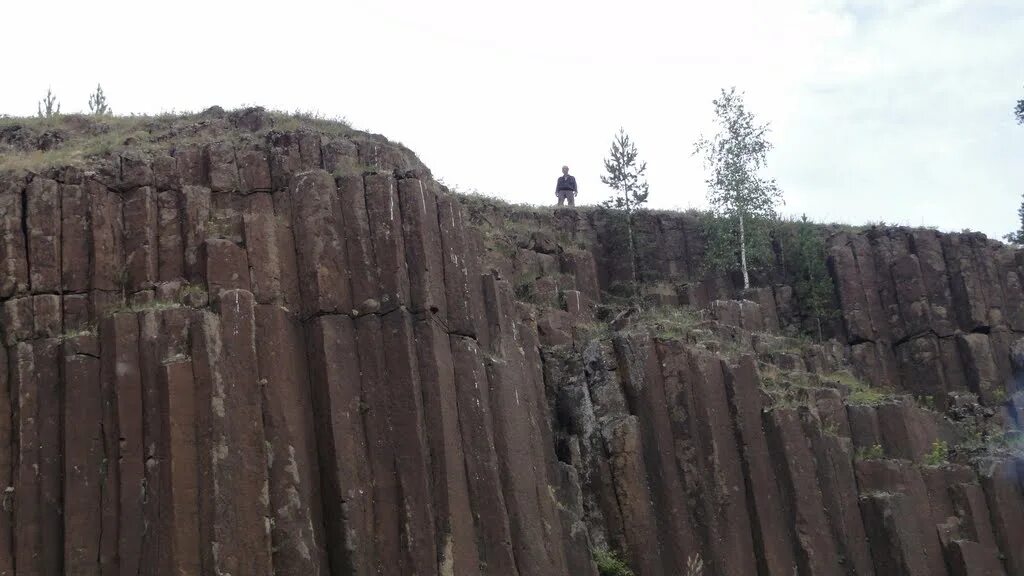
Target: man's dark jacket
pixel 566 183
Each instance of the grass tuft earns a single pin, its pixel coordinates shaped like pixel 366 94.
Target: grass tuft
pixel 610 564
pixel 875 452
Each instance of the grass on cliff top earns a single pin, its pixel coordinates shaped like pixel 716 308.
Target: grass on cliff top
pixel 33 143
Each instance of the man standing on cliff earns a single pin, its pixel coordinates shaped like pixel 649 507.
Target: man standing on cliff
pixel 566 188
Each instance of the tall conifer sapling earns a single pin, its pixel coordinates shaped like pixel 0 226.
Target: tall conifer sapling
pixel 98 103
pixel 626 175
pixel 45 109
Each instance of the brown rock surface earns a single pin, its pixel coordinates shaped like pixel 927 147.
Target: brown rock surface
pixel 266 345
pixel 771 534
pixel 383 210
pixel 1000 480
pixel 815 549
pixel 13 260
pixel 140 238
pixel 895 543
pixel 320 244
pixel 341 438
pixel 486 497
pixel 297 534
pixel 8 455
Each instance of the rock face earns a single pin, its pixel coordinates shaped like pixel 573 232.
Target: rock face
pixel 930 313
pixel 290 358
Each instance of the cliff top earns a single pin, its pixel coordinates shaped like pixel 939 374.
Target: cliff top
pixel 39 145
pixel 79 140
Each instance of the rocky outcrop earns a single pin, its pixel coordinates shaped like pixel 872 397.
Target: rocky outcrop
pixel 935 314
pixel 293 355
pixel 232 361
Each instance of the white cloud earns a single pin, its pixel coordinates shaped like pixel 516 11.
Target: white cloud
pixel 881 109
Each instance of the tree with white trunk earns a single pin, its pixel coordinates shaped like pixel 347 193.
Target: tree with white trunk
pixel 737 193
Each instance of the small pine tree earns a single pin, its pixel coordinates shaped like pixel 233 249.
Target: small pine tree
pixel 1017 237
pixel 627 177
pixel 1019 111
pixel 735 190
pixel 45 108
pixel 98 103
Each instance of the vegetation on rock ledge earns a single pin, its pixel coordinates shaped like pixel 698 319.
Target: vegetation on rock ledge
pixel 56 140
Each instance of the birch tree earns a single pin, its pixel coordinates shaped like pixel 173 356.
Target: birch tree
pixel 1017 236
pixel 733 157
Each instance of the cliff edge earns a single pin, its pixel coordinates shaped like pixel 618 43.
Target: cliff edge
pixel 251 343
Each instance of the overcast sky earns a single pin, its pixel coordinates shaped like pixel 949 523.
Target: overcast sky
pixel 881 110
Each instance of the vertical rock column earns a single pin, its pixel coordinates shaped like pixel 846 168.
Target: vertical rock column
pixel 423 253
pixel 913 534
pixel 13 263
pixel 385 218
pixel 412 464
pixel 7 458
pixel 181 553
pixel 833 457
pixel 895 542
pixel 320 245
pixel 720 469
pixel 772 540
pixel 43 226
pixel 121 372
pixel 381 446
pixel 38 469
pixel 27 506
pixel 488 502
pixel 297 534
pixel 794 464
pixel 106 264
pixel 646 393
pixel 456 541
pixel 84 464
pixel 343 454
pixel 234 505
pixel 1000 479
pixel 518 439
pixel 460 285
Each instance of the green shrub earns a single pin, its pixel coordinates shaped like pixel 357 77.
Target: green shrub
pixel 861 393
pixel 802 253
pixel 938 455
pixel 668 322
pixel 870 453
pixel 609 564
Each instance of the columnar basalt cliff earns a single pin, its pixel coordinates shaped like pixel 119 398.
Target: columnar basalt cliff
pixel 241 345
pixel 930 313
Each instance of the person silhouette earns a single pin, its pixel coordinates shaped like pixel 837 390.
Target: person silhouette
pixel 565 189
